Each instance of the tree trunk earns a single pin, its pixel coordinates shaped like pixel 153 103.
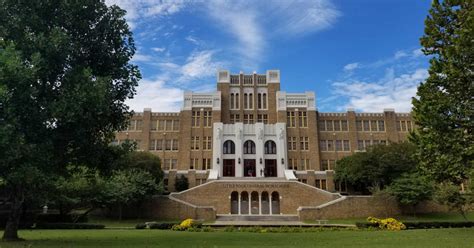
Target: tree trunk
pixel 11 228
pixel 120 212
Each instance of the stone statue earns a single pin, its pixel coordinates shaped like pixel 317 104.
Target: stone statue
pixel 240 134
pixel 260 134
pixel 282 133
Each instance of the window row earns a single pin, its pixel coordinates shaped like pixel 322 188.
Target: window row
pixel 370 126
pixel 206 143
pixel 248 99
pixel 404 126
pixel 249 147
pixel 292 117
pixel 292 143
pixel 328 164
pixel 364 144
pixel 164 125
pixel 299 164
pixel 167 145
pixel 333 125
pixel 196 118
pixel 135 125
pixel 249 118
pixel 195 165
pixel 170 164
pixel 334 145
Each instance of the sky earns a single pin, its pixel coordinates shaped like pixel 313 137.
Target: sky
pixel 362 54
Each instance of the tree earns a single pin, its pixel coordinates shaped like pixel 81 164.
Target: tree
pixel 377 167
pixel 411 189
pixel 449 194
pixel 126 186
pixel 146 161
pixel 181 183
pixel 64 77
pixel 444 109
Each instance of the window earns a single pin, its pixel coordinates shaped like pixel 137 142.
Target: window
pixel 366 126
pixel 322 125
pixel 152 145
pixel 206 164
pixel 304 164
pixel 329 126
pixel 207 118
pixel 337 125
pixel 360 145
pixel 195 143
pixel 246 100
pixel 338 145
pixel 270 147
pixel 207 143
pixel 237 101
pixel 195 119
pixel 409 126
pixel 176 125
pixel 324 165
pixel 166 164
pixel 248 118
pixel 232 101
pixel 264 100
pixel 168 145
pixel 153 125
pixel 304 143
pixel 323 145
pixel 359 125
pixel 381 126
pixel 234 118
pixel 344 127
pixel 330 145
pixel 262 118
pixel 303 120
pixel 292 143
pixel 135 125
pixel 292 164
pixel 229 147
pixel 194 163
pixel 175 145
pixel 320 183
pixel 332 164
pixel 346 146
pixel 323 184
pixel 249 147
pixel 174 164
pixel 259 100
pixel 290 119
pixel 250 101
pixel 373 126
pixel 159 145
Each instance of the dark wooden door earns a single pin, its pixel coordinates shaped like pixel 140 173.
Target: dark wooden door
pixel 229 168
pixel 270 168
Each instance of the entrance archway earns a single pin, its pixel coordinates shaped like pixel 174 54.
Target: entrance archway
pixel 234 203
pixel 244 203
pixel 265 203
pixel 255 205
pixel 275 203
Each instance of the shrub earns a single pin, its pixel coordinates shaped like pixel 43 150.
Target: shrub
pixel 161 226
pixel 140 226
pixel 388 224
pixel 186 224
pixel 68 226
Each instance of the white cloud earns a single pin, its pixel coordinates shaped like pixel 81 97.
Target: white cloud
pixel 158 49
pixel 156 95
pixel 400 54
pixel 192 39
pixel 199 65
pixel 391 91
pixel 351 66
pixel 138 57
pixel 417 53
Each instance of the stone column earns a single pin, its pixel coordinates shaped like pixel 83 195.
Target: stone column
pixel 238 207
pixel 260 203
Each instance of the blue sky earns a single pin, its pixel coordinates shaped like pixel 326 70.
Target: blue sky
pixel 362 54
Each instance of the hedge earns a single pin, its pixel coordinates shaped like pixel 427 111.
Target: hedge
pixel 162 226
pixel 68 226
pixel 424 225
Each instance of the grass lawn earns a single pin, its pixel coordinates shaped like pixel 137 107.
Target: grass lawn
pixel 419 217
pixel 463 237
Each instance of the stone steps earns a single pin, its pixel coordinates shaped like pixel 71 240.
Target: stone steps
pixel 257 218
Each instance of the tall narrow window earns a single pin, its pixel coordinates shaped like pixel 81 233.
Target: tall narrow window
pixel 195 119
pixel 232 101
pixel 270 147
pixel 250 101
pixel 249 147
pixel 264 100
pixel 290 119
pixel 303 119
pixel 259 100
pixel 207 118
pixel 246 101
pixel 344 126
pixel 237 101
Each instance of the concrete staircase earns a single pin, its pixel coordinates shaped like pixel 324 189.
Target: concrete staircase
pixel 257 218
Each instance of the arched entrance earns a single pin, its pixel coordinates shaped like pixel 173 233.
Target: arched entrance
pixel 255 205
pixel 244 203
pixel 275 203
pixel 265 203
pixel 234 203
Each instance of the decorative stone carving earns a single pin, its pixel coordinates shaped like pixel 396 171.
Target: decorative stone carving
pixel 282 133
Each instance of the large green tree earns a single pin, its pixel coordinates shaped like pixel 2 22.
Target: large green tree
pixel 377 167
pixel 64 77
pixel 444 106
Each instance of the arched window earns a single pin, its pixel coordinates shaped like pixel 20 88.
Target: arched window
pixel 270 147
pixel 250 101
pixel 264 100
pixel 229 147
pixel 246 100
pixel 232 101
pixel 259 100
pixel 237 101
pixel 249 147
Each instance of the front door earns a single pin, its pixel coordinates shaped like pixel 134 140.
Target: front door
pixel 270 168
pixel 229 168
pixel 249 168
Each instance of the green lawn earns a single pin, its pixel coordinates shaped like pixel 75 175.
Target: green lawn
pixel 419 217
pixel 329 238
